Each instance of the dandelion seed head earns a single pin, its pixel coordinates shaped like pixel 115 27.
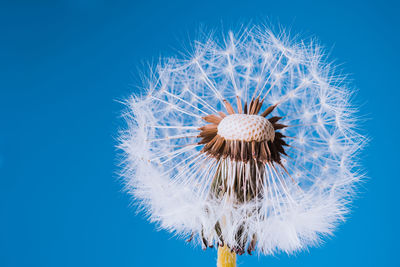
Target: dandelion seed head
pixel 250 142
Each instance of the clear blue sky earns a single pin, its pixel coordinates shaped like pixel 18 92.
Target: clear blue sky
pixel 63 65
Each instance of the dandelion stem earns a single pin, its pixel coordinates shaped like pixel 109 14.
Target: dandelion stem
pixel 226 258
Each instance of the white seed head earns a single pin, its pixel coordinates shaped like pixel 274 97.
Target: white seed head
pixel 301 201
pixel 243 127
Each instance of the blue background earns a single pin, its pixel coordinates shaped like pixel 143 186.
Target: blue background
pixel 65 63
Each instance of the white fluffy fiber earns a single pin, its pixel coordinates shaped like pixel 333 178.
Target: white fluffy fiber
pixel 166 174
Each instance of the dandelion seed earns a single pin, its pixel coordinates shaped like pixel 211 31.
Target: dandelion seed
pixel 249 146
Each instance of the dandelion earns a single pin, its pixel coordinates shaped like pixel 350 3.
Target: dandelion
pixel 249 144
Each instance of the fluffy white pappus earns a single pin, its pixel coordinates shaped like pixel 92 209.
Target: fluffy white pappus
pixel 300 201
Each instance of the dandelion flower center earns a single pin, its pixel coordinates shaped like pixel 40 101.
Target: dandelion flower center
pixel 243 127
pixel 244 135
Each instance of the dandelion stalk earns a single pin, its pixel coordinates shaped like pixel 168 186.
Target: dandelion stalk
pixel 226 258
